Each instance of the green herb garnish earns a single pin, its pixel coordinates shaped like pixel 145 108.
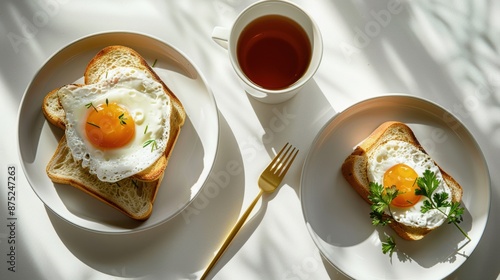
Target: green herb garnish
pixel 426 187
pixel 389 245
pixel 93 124
pixel 88 105
pixel 154 63
pixel 122 119
pixel 146 129
pixel 151 142
pixel 107 103
pixel 381 199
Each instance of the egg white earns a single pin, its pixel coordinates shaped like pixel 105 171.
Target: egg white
pixel 148 105
pixel 394 152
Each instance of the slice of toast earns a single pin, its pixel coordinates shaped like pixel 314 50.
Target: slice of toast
pixel 354 170
pixel 113 57
pixel 136 195
pixel 132 197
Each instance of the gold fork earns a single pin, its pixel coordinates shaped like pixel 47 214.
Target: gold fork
pixel 269 181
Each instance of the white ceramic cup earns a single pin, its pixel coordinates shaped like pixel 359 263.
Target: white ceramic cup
pixel 228 38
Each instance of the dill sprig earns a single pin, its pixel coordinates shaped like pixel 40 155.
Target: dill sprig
pixel 151 142
pixel 122 119
pixel 89 105
pixel 93 124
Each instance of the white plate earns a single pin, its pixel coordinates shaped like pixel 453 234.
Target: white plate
pixel 190 162
pixel 338 219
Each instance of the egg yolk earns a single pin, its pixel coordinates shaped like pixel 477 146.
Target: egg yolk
pixel 109 126
pixel 404 178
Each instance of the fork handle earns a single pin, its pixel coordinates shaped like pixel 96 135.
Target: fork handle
pixel 231 235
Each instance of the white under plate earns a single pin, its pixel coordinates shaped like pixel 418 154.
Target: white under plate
pixel 189 164
pixel 338 219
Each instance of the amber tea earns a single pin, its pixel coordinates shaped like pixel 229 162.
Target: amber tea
pixel 274 51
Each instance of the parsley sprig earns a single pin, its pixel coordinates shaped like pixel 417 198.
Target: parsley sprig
pixel 426 187
pixel 389 245
pixel 381 199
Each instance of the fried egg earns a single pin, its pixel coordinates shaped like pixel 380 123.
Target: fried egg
pixel 119 126
pixel 400 163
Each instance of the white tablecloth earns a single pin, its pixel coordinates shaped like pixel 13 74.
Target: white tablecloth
pixel 444 51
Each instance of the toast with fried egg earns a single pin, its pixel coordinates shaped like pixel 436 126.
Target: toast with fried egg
pixel 137 192
pixel 113 57
pixel 355 169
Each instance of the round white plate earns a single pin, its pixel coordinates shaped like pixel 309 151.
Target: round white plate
pixel 338 219
pixel 189 164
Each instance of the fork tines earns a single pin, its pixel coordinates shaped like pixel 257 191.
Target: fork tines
pixel 284 159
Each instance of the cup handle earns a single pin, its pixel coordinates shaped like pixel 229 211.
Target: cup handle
pixel 220 35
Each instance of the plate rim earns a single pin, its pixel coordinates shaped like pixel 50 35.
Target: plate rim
pixel 72 43
pixel 321 133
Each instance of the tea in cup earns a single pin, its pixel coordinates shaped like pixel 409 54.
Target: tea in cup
pixel 275 48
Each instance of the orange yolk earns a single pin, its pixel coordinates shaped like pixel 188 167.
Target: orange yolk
pixel 404 178
pixel 109 126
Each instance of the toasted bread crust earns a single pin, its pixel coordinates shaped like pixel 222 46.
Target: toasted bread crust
pixel 53 110
pixel 107 59
pixel 63 169
pixel 354 170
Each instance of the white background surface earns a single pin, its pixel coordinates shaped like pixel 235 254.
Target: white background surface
pixel 445 51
